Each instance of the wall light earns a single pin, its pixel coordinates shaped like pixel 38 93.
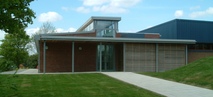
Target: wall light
pixel 80 48
pixel 46 47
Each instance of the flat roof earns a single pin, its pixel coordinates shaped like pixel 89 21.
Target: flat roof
pixel 91 19
pixel 107 39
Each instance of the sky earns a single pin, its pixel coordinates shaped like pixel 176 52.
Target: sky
pixel 136 15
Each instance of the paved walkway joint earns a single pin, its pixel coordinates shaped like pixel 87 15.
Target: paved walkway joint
pixel 160 86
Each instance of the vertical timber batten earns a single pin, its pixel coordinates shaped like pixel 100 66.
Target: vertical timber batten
pixel 44 57
pixel 186 54
pixel 73 55
pixel 100 51
pixel 124 57
pixel 156 58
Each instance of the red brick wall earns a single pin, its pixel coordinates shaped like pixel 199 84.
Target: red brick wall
pixel 117 35
pixel 59 57
pixel 85 59
pixel 193 56
pixel 86 34
pixel 151 35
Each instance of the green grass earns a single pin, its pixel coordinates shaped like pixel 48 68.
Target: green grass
pixel 73 85
pixel 198 73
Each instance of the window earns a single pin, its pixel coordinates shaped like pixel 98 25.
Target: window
pixel 201 47
pixel 90 27
pixel 106 28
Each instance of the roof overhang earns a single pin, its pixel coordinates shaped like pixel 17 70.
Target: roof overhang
pixel 38 38
pixel 126 40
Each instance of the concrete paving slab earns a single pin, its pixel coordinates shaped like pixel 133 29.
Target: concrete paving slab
pixel 164 87
pixel 29 71
pixel 35 71
pixel 13 71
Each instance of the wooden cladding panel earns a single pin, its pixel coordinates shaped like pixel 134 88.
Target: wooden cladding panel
pixel 140 57
pixel 171 56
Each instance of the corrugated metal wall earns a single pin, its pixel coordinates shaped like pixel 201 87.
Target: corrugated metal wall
pixel 201 31
pixel 166 30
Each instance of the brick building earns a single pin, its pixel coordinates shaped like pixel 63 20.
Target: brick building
pixel 99 46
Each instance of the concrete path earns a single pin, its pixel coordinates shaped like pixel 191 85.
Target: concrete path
pixel 160 86
pixel 29 71
pixel 22 71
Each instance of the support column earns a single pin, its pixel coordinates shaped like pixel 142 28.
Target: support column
pixel 100 51
pixel 124 57
pixel 44 57
pixel 73 57
pixel 39 62
pixel 186 54
pixel 156 58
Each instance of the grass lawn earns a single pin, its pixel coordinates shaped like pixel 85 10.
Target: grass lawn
pixel 198 73
pixel 72 85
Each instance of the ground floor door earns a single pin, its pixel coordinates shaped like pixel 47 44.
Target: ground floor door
pixel 105 57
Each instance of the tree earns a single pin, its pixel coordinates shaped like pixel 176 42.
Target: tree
pixel 46 28
pixel 15 14
pixel 32 61
pixel 14 48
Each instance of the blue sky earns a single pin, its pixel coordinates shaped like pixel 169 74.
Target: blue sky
pixel 69 15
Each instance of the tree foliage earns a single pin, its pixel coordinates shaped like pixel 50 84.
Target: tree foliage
pixel 14 47
pixel 15 14
pixel 46 28
pixel 32 61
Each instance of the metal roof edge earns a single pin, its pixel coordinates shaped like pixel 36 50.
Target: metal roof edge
pixel 66 33
pixel 104 39
pixel 97 18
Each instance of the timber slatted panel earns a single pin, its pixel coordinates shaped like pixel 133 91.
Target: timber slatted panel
pixel 171 56
pixel 140 57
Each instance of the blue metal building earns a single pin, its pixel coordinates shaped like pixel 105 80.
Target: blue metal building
pixel 201 31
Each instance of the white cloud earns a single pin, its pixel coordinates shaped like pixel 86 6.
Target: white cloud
pixel 31 31
pixel 194 8
pixel 83 9
pixel 124 3
pixel 94 2
pixel 206 12
pixel 49 17
pixel 65 8
pixel 109 9
pixel 71 29
pixel 178 13
pixel 107 6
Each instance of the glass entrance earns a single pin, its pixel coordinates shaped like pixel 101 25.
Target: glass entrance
pixel 105 57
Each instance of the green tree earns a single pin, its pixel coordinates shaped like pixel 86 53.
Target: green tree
pixel 14 47
pixel 32 61
pixel 15 14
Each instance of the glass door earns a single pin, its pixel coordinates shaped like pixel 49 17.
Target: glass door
pixel 105 57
